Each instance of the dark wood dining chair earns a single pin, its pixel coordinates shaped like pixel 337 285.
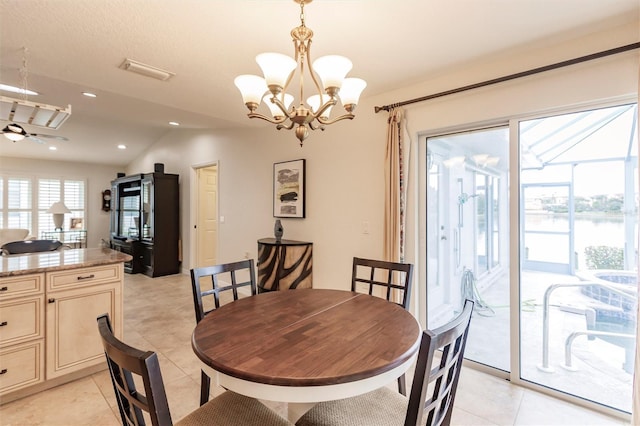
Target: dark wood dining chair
pixel 368 275
pixel 207 284
pixel 432 393
pixel 137 406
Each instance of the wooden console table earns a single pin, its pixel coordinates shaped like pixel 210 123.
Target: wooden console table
pixel 284 265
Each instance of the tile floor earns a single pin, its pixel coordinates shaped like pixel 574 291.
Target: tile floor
pixel 159 316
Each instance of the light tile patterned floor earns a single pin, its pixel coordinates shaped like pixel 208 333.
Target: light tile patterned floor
pixel 159 316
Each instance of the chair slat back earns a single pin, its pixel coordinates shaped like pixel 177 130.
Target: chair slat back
pixel 218 279
pixel 125 363
pixel 386 275
pixel 437 405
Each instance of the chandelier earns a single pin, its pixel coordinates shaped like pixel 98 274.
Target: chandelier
pixel 327 73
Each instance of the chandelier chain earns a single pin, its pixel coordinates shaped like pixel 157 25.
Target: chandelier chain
pixel 302 13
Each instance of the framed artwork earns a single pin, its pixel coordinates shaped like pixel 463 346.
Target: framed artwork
pixel 289 188
pixel 76 223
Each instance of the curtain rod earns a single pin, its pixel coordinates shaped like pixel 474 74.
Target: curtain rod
pixel 514 76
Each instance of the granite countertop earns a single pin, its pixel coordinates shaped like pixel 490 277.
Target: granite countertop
pixel 59 260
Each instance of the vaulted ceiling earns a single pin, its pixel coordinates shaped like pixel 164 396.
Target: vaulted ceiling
pixel 74 46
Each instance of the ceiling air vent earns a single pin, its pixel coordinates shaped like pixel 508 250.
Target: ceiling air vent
pixel 146 70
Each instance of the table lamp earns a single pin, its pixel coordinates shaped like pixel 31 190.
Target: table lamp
pixel 58 209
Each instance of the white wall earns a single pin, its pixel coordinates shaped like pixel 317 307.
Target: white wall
pixel 342 189
pixel 98 179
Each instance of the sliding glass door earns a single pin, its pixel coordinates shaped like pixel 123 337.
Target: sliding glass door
pixel 467 228
pixel 578 271
pixel 574 247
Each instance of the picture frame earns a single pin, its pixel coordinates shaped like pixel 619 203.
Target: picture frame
pixel 289 190
pixel 76 223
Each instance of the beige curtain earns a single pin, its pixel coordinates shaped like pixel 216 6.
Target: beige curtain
pixel 635 409
pixel 395 191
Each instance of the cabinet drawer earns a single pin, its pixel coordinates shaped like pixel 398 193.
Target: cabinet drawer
pixel 82 277
pixel 21 320
pixel 22 285
pixel 21 366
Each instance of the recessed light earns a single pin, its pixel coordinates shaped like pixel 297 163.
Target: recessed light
pixel 53 148
pixel 13 89
pixel 121 146
pixel 89 94
pixel 174 123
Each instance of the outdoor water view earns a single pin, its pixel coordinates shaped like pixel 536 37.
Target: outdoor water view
pixel 577 248
pixel 593 226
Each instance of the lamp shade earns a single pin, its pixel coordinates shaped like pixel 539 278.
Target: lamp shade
pixel 276 67
pixel 251 87
pixel 351 90
pixel 58 208
pixel 332 70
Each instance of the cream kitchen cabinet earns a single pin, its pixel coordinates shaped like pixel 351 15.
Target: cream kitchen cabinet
pixel 48 331
pixel 75 299
pixel 21 332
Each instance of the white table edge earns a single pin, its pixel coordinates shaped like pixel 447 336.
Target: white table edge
pixel 307 394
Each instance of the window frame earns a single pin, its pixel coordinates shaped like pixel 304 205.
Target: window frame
pixel 36 226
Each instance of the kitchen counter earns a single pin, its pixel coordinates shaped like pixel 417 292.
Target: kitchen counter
pixel 33 263
pixel 49 302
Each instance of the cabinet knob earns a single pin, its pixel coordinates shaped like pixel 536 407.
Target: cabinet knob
pixel 3 371
pixel 5 288
pixel 51 300
pixel 3 323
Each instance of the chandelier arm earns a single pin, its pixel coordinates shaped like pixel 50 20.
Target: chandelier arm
pixel 286 127
pixel 314 126
pixel 331 102
pixel 265 118
pixel 342 117
pixel 283 108
pixel 311 71
pixel 286 84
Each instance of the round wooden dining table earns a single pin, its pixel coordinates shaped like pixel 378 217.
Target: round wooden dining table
pixel 306 345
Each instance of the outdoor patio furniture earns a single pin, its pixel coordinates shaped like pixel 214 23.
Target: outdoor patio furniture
pixel 612 318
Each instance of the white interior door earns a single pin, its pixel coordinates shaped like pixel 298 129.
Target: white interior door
pixel 207 220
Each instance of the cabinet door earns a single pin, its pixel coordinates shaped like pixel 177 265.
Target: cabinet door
pixel 147 209
pixel 146 254
pixel 72 339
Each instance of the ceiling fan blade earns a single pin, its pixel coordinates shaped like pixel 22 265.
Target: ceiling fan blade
pixel 36 139
pixel 41 135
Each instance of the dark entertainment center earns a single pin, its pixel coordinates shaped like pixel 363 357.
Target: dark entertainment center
pixel 145 222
